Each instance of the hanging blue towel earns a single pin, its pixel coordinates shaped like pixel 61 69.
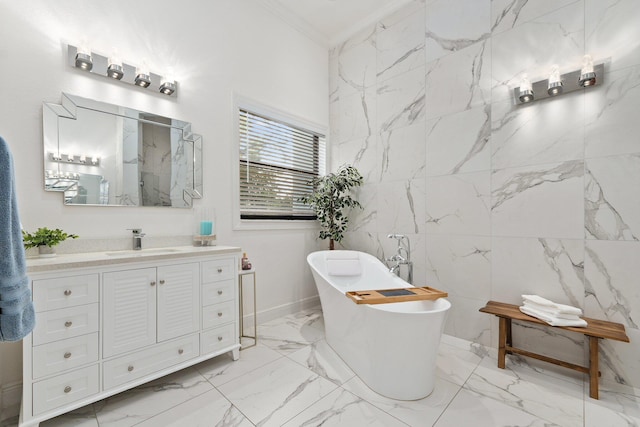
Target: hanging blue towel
pixel 17 316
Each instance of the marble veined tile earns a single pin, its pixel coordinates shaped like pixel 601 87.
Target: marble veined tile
pixel 292 332
pixel 453 25
pixel 138 404
pixel 401 206
pixel 541 132
pixel 356 69
pixel 551 268
pixel 507 14
pixel 365 218
pixel 474 409
pixel 611 279
pixel 456 364
pixel 400 100
pixel 208 409
pixel 612 199
pixel 361 154
pixel 365 36
pixel 423 412
pixel 410 7
pixel 357 118
pixel 466 322
pixel 320 358
pixel 611 409
pixel 81 417
pixel 611 114
pixel 341 408
pixel 541 201
pixel 526 49
pixel 551 399
pixel 223 368
pixel 276 392
pixel 620 369
pixel 612 31
pixel 459 204
pixel 459 81
pixel 402 153
pixel 459 142
pixel 400 46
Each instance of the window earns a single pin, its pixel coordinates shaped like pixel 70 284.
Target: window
pixel 277 161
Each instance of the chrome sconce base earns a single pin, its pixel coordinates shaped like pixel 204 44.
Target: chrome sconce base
pixel 97 64
pixel 569 82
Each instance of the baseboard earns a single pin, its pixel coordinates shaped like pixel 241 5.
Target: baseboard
pixel 283 310
pixel 10 397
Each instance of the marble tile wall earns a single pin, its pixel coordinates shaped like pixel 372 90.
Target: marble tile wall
pixel 500 200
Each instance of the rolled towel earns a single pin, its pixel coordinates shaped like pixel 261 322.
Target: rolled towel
pixel 552 306
pixel 551 320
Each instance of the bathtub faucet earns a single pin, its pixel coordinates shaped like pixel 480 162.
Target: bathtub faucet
pixel 402 256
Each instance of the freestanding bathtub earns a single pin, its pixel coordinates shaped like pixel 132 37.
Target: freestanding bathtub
pixel 391 347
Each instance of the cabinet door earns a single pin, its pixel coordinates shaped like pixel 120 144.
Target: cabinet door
pixel 178 300
pixel 129 305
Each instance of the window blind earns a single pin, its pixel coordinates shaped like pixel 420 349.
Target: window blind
pixel 277 161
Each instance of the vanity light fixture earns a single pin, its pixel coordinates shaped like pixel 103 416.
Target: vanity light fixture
pixel 82 58
pixel 71 158
pixel 526 90
pixel 587 73
pixel 556 84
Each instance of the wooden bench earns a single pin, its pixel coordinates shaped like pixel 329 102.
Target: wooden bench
pixel 595 330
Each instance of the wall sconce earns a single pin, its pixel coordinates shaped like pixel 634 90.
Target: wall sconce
pixel 114 68
pixel 71 158
pixel 558 84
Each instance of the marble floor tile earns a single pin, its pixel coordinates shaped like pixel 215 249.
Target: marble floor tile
pixel 291 333
pixel 342 408
pixel 209 409
pixel 423 412
pixel 455 364
pixel 81 417
pixel 320 358
pixel 612 409
pixel 276 392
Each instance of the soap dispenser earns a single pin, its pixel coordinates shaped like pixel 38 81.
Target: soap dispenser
pixel 246 265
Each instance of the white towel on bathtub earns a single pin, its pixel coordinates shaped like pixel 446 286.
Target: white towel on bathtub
pixel 343 263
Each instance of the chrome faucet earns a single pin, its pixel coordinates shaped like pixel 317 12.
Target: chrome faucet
pixel 137 238
pixel 402 256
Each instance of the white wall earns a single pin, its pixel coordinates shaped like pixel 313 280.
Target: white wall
pixel 500 200
pixel 213 49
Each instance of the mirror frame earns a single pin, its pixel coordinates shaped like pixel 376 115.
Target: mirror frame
pixel 68 109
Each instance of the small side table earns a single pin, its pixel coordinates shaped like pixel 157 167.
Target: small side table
pixel 241 275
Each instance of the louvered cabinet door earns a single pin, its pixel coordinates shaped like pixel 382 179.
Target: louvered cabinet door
pixel 178 300
pixel 129 305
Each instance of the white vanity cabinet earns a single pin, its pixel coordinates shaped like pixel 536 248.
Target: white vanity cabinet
pixel 111 323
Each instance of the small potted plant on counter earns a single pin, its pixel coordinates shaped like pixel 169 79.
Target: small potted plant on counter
pixel 45 239
pixel 330 197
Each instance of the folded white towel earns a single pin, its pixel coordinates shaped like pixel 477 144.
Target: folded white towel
pixel 551 320
pixel 342 255
pixel 557 308
pixel 551 312
pixel 344 267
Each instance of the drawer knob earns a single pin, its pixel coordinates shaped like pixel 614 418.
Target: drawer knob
pixel 219 338
pixel 220 292
pixel 219 314
pixel 162 282
pixel 180 351
pixel 153 283
pixel 67 389
pixel 67 355
pixel 67 292
pixel 68 323
pixel 130 368
pixel 219 269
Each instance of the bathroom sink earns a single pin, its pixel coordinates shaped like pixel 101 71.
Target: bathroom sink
pixel 143 252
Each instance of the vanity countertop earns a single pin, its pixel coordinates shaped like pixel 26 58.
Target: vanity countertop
pixel 92 259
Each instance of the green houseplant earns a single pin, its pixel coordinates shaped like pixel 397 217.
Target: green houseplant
pixel 45 239
pixel 330 197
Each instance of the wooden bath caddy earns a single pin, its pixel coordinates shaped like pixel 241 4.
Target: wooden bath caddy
pixel 386 296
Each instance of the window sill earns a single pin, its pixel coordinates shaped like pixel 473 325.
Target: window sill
pixel 263 224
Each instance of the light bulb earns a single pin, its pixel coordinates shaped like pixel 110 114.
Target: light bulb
pixel 587 74
pixel 555 83
pixel 526 90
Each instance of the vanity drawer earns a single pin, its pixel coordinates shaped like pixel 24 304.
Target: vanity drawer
pixel 213 293
pixel 139 364
pixel 65 323
pixel 61 292
pixel 219 269
pixel 217 339
pixel 62 355
pixel 65 389
pixel 218 314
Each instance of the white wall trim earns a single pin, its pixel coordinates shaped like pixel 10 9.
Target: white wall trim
pixel 10 398
pixel 282 310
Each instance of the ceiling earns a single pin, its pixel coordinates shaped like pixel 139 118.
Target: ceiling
pixel 330 22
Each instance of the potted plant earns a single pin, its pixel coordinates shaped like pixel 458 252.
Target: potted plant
pixel 331 195
pixel 45 239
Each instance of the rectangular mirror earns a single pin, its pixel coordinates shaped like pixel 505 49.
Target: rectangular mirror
pixel 102 154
